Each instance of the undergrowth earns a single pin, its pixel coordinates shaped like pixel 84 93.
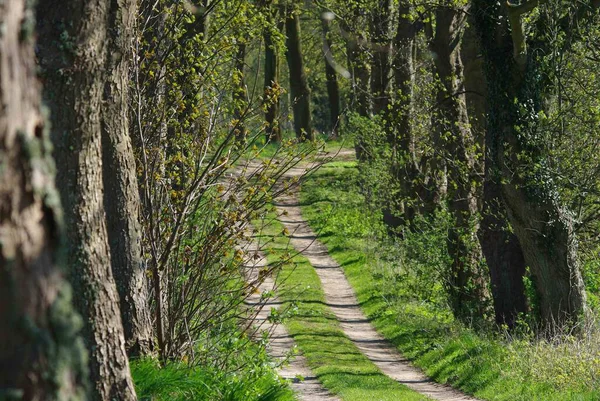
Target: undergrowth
pixel 400 290
pixel 180 382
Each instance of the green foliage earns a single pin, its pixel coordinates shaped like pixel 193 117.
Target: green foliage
pixel 179 382
pixel 396 297
pixel 198 189
pixel 567 129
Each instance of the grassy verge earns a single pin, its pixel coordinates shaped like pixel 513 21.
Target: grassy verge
pixel 386 278
pixel 333 358
pixel 179 382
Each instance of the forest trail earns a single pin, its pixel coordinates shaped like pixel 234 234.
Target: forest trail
pixel 280 342
pixel 341 299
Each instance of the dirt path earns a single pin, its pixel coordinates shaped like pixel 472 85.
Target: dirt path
pixel 341 299
pixel 280 342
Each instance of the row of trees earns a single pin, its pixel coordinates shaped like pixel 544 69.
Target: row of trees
pixel 498 85
pixel 119 224
pixel 478 109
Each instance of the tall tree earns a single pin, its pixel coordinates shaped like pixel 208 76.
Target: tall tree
pixel 360 70
pixel 121 195
pixel 333 90
pixel 400 138
pixel 542 225
pixel 358 62
pixel 299 89
pixel 500 246
pixel 42 356
pixel 467 284
pixel 381 45
pixel 72 55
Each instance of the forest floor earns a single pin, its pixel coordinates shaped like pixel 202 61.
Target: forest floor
pixel 341 302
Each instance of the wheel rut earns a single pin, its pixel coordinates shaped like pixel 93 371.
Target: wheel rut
pixel 340 297
pixel 303 382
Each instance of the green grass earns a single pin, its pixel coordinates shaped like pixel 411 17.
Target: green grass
pixel 333 358
pixel 289 146
pixel 491 366
pixel 178 382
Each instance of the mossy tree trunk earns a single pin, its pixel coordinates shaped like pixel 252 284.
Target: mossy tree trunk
pixel 72 55
pixel 466 280
pixel 42 356
pixel 544 228
pixel 299 89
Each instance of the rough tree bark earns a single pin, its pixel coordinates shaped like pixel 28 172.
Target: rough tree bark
pixel 381 44
pixel 42 356
pixel 544 228
pixel 299 89
pixel 466 281
pixel 121 194
pixel 333 91
pixel 72 54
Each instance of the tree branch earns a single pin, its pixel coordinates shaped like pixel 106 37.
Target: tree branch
pixel 523 8
pixel 516 28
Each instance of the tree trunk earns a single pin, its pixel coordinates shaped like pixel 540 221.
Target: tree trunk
pixel 467 284
pixel 500 246
pixel 272 90
pixel 42 356
pixel 333 91
pixel 434 167
pixel 475 86
pixel 400 137
pixel 240 95
pixel 121 195
pixel 543 227
pixel 360 71
pixel 382 50
pixel 72 56
pixel 151 145
pixel 503 254
pixel 298 83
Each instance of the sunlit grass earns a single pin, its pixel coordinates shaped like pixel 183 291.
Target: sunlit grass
pixel 493 366
pixel 333 358
pixel 179 382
